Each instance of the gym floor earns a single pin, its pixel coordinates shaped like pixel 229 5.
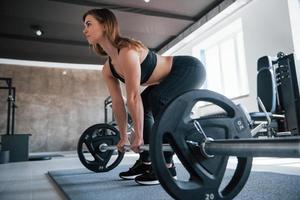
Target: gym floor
pixel 29 180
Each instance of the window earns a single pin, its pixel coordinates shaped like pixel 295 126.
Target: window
pixel 224 58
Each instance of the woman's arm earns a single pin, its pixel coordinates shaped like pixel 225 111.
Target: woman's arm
pixel 118 106
pixel 132 74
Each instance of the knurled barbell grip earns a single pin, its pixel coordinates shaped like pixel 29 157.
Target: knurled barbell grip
pixel 166 147
pixel 104 147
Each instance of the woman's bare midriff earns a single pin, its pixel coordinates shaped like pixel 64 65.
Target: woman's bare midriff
pixel 162 69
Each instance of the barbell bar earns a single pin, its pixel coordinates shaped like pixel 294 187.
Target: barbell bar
pixel 104 147
pixel 270 147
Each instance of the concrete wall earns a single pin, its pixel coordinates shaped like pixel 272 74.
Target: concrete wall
pixel 267 30
pixel 53 107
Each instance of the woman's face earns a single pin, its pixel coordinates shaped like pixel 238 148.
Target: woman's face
pixel 93 30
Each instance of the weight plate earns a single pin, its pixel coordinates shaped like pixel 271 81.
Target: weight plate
pixel 177 126
pixel 89 152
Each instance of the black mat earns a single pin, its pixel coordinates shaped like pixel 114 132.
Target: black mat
pixel 81 184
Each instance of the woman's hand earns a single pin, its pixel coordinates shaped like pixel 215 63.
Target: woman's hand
pixel 135 145
pixel 122 143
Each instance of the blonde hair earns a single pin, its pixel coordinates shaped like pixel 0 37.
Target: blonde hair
pixel 109 20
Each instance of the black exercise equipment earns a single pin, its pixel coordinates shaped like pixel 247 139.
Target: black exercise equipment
pixel 89 144
pixel 203 144
pixel 278 96
pixel 270 110
pixel 207 171
pixel 11 106
pixel 97 145
pixel 16 144
pixel 10 140
pixel 214 140
pixel 288 89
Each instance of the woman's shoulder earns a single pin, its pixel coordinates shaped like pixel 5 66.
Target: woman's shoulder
pixel 128 51
pixel 131 51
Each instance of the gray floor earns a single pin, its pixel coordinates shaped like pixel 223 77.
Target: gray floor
pixel 28 180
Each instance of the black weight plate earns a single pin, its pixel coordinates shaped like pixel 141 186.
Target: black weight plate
pixel 177 126
pixel 88 148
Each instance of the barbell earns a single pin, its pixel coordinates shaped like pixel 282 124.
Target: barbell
pixel 275 147
pixel 203 146
pixel 221 135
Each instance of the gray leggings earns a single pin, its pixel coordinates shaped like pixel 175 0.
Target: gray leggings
pixel 187 73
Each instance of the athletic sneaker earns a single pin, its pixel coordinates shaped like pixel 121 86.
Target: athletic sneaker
pixel 137 169
pixel 150 178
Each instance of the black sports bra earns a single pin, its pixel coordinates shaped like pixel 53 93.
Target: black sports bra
pixel 147 67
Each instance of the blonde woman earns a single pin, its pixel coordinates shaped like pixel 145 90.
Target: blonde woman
pixel 130 62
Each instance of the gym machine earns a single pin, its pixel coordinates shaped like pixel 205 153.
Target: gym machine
pixel 15 146
pixel 11 105
pixel 278 96
pixel 289 93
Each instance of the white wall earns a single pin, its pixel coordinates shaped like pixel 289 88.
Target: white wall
pixel 267 31
pixel 294 11
pixel 266 26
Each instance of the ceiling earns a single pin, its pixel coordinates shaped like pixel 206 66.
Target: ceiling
pixel 155 23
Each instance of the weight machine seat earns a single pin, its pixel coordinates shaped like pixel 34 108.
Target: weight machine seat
pixel 266 89
pixel 267 92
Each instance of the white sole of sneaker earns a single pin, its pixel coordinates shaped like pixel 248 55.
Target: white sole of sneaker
pixel 130 177
pixel 156 182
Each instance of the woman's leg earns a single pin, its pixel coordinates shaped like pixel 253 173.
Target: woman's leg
pixel 187 73
pixel 142 165
pixel 148 121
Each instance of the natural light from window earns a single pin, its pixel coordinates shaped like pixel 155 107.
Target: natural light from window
pixel 223 55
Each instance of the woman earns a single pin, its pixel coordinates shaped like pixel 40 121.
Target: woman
pixel 133 64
